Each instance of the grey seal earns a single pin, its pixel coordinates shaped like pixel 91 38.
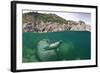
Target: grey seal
pixel 47 51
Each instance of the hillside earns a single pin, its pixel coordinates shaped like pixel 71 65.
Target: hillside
pixel 42 22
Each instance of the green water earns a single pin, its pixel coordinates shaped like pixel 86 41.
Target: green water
pixel 76 45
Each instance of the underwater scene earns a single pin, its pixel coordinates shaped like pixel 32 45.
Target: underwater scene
pixel 55 36
pixel 56 46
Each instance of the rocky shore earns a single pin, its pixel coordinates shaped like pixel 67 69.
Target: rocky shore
pixel 39 22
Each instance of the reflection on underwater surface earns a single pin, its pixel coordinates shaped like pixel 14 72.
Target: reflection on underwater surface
pixel 74 45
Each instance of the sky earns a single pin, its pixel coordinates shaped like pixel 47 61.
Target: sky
pixel 86 17
pixel 75 16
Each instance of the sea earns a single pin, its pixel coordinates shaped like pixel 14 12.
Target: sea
pixel 76 45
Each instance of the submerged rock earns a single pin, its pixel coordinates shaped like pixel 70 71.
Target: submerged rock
pixel 67 51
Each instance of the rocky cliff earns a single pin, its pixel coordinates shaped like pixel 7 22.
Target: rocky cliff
pixel 42 22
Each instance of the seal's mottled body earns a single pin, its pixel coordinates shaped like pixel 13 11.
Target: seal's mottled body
pixel 47 51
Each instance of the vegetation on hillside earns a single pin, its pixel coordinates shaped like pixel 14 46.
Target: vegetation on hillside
pixel 34 16
pixel 49 22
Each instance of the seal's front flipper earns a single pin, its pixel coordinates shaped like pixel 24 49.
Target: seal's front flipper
pixel 53 46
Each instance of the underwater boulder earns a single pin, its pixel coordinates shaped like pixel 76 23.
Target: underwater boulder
pixel 67 51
